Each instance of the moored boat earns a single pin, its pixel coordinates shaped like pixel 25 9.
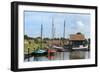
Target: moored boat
pixel 83 48
pixel 51 51
pixel 40 52
pixel 59 49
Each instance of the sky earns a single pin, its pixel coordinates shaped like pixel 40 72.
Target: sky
pixel 74 22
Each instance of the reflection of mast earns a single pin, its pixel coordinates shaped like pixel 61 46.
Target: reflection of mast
pixel 41 34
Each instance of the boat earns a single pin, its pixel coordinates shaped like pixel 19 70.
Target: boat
pixel 51 51
pixel 81 47
pixel 68 48
pixel 40 52
pixel 59 49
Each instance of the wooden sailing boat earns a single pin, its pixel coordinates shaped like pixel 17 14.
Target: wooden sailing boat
pixel 60 48
pixel 51 50
pixel 40 50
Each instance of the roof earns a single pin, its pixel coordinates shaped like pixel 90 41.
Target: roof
pixel 77 37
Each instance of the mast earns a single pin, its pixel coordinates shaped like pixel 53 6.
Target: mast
pixel 64 33
pixel 64 37
pixel 41 34
pixel 52 31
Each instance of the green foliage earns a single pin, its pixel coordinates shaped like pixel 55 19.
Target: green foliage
pixel 26 37
pixel 33 44
pixel 78 33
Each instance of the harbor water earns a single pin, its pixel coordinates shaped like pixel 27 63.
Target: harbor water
pixel 61 56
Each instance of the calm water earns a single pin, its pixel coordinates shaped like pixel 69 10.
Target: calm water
pixel 62 56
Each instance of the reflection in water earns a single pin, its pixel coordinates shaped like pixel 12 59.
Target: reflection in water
pixel 62 56
pixel 77 55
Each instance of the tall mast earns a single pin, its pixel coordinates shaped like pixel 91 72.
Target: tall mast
pixel 52 31
pixel 64 35
pixel 41 34
pixel 64 32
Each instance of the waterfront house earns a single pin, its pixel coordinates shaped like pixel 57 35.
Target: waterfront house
pixel 77 40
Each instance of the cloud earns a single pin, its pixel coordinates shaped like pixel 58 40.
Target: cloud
pixel 83 28
pixel 80 24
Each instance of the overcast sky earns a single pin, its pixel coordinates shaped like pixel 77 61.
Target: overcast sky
pixel 74 23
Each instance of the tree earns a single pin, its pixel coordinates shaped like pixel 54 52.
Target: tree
pixel 85 42
pixel 62 38
pixel 36 41
pixel 46 39
pixel 89 42
pixel 78 33
pixel 38 37
pixel 26 37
